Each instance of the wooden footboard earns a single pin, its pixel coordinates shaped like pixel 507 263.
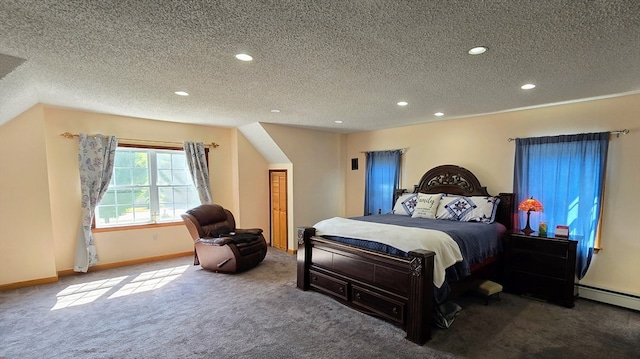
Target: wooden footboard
pixel 399 290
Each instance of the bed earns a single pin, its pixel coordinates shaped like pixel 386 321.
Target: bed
pixel 396 286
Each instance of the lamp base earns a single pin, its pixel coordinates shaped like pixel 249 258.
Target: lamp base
pixel 527 231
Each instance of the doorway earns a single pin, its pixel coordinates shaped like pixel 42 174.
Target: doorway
pixel 278 200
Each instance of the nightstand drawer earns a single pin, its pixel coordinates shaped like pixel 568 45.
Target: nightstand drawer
pixel 548 246
pixel 333 286
pixel 540 264
pixel 536 286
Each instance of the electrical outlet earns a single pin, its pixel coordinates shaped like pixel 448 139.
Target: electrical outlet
pixel 155 236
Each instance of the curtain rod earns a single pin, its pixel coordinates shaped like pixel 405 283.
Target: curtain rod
pixel 403 150
pixel 617 133
pixel 212 144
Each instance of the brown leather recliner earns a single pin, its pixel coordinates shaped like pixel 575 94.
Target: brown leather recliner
pixel 219 245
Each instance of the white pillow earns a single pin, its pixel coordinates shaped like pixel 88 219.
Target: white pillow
pixel 427 205
pixel 405 204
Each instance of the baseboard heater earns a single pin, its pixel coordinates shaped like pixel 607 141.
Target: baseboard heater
pixel 624 300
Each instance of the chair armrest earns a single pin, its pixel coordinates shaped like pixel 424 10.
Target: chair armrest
pixel 256 231
pixel 215 241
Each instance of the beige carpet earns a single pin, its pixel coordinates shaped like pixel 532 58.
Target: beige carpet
pixel 172 309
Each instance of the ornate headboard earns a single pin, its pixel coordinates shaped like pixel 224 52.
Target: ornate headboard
pixel 452 179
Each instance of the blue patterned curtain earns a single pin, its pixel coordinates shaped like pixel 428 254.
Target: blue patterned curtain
pixel 382 178
pixel 566 174
pixel 197 162
pixel 95 159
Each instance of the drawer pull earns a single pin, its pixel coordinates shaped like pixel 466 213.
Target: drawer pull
pixel 341 290
pixel 395 310
pixel 358 295
pixel 315 278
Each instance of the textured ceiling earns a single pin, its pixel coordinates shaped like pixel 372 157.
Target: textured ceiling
pixel 315 61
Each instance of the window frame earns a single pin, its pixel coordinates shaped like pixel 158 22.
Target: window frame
pixel 144 225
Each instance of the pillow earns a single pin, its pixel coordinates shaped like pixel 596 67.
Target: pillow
pixel 484 211
pixel 405 204
pixel 468 209
pixel 453 207
pixel 427 205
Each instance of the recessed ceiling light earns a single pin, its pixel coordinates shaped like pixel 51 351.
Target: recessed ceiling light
pixel 181 93
pixel 244 57
pixel 402 103
pixel 527 86
pixel 477 50
pixel 337 121
pixel 439 114
pixel 275 111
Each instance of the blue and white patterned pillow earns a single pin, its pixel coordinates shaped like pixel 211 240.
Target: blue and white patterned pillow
pixel 468 209
pixel 484 211
pixel 406 204
pixel 454 207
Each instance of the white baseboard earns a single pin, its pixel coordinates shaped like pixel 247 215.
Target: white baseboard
pixel 600 295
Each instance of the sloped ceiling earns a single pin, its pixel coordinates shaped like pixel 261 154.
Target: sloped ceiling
pixel 315 61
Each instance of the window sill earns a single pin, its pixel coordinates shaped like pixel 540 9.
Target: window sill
pixel 136 226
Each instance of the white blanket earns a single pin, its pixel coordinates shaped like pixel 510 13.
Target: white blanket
pixel 404 238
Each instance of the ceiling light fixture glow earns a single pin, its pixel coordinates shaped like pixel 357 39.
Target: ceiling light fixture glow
pixel 244 57
pixel 477 50
pixel 337 121
pixel 402 103
pixel 439 114
pixel 527 86
pixel 181 93
pixel 275 111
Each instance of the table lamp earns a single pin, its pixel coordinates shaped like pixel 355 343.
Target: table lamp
pixel 529 205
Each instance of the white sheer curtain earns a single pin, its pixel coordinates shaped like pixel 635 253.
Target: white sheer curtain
pixel 197 162
pixel 95 159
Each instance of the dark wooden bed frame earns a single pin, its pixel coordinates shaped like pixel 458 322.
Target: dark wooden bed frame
pixel 399 290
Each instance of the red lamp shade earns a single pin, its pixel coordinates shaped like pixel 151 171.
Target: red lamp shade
pixel 529 205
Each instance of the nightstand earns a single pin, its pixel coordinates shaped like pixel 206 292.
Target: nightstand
pixel 541 267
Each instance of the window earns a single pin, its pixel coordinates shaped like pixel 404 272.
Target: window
pixel 382 178
pixel 566 174
pixel 147 186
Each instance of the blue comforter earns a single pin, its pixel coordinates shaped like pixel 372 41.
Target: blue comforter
pixel 477 242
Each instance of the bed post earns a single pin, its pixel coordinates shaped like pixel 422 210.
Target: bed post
pixel 304 256
pixel 420 296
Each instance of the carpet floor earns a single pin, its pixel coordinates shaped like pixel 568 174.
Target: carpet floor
pixel 172 309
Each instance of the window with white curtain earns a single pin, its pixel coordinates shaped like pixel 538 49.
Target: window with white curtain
pixel 148 186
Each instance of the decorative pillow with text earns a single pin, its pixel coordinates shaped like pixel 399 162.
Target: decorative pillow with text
pixel 427 205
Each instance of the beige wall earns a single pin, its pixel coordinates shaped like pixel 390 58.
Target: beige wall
pixel 40 189
pixel 26 243
pixel 318 174
pixel 480 144
pixel 253 187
